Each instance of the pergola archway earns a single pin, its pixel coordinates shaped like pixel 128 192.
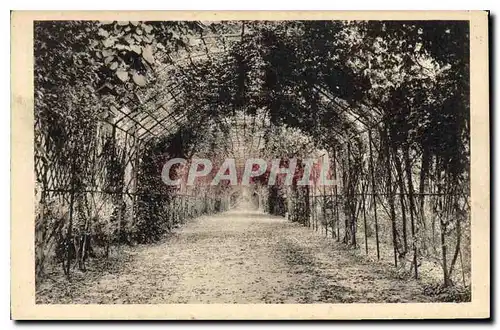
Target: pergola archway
pixel 257 89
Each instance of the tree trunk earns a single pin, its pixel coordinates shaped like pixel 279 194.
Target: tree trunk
pixel 364 216
pixel 401 198
pixel 390 196
pixel 306 221
pixel 374 202
pixel 457 248
pixel 412 208
pixel 444 255
pixel 337 218
pixel 423 176
pixel 443 226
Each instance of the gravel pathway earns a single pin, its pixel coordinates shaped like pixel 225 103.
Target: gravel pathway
pixel 238 257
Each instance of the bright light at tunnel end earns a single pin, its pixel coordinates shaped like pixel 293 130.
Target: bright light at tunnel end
pixel 202 171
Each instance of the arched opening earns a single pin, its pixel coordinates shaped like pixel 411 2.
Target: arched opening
pixel 255 201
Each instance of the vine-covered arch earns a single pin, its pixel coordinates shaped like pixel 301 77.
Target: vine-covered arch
pixel 385 103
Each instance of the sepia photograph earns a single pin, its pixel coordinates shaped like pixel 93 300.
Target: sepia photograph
pixel 330 162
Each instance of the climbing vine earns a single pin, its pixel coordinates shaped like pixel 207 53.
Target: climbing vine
pixel 386 103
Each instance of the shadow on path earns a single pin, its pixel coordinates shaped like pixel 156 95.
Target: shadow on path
pixel 238 257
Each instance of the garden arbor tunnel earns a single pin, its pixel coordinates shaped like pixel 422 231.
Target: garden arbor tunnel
pixel 226 118
pixel 271 90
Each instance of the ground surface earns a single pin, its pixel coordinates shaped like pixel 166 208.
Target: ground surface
pixel 237 257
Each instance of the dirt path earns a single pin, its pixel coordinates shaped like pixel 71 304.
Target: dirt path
pixel 240 257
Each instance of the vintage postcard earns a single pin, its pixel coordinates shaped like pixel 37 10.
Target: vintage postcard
pixel 250 165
